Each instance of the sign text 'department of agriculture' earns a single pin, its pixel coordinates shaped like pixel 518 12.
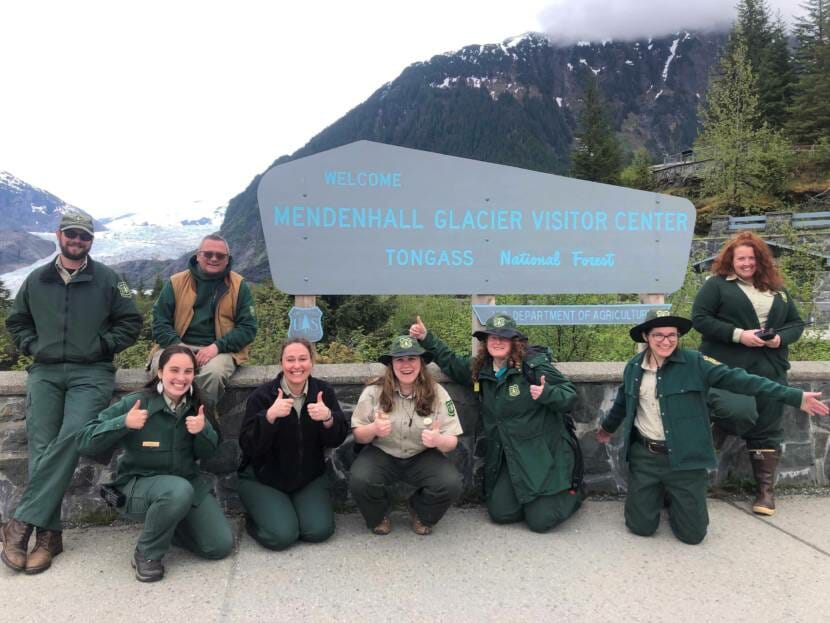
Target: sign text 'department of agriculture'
pixel 368 218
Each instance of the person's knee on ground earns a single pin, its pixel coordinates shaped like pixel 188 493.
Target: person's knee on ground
pixel 504 515
pixel 547 512
pixel 318 533
pixel 275 537
pixel 219 549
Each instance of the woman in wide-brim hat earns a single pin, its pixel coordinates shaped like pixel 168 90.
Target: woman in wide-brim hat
pixel 529 462
pixel 661 406
pixel 409 423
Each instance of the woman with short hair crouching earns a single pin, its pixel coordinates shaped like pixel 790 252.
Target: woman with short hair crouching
pixel 409 423
pixel 164 433
pixel 662 408
pixel 289 424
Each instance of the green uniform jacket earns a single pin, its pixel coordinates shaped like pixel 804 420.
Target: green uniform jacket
pixel 720 307
pixel 85 321
pixel 528 434
pixel 163 447
pixel 682 383
pixel 245 324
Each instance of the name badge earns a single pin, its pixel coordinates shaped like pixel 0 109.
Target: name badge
pixel 150 444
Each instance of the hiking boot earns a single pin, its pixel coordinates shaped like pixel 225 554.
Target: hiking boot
pixel 147 570
pixel 15 543
pixel 764 464
pixel 384 527
pixel 48 544
pixel 418 526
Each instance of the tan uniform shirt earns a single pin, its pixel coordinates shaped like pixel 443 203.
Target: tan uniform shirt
pixel 405 439
pixel 761 303
pixel 299 400
pixel 65 274
pixel 648 420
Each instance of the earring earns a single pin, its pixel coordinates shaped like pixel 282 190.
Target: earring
pixel 160 387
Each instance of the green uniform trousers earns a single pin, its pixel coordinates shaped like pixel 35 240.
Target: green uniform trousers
pixel 757 420
pixel 541 514
pixel 277 520
pixel 165 504
pixel 650 476
pixel 61 398
pixel 437 483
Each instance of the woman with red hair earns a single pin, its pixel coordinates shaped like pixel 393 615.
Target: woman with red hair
pixel 734 312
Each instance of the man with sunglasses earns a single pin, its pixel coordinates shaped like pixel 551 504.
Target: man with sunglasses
pixel 209 308
pixel 71 316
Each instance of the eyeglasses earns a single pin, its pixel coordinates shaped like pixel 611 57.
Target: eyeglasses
pixel 664 337
pixel 209 255
pixel 72 234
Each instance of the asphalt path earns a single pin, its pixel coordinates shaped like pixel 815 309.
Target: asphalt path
pixel 589 569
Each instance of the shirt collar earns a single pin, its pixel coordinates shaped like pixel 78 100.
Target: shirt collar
pixel 287 391
pixel 64 272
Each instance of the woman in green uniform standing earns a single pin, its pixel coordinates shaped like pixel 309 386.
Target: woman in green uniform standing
pixel 289 423
pixel 744 295
pixel 409 423
pixel 164 434
pixel 529 462
pixel 662 408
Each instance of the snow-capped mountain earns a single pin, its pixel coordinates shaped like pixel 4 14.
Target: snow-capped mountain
pixel 28 208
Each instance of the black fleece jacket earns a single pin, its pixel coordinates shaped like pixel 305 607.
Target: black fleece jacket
pixel 289 453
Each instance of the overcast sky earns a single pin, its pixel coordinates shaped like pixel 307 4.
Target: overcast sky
pixel 175 105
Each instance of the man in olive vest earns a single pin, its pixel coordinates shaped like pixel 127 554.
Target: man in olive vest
pixel 209 308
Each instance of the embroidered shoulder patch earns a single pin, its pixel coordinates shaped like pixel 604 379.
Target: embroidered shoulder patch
pixel 124 290
pixel 513 391
pixel 712 360
pixel 450 408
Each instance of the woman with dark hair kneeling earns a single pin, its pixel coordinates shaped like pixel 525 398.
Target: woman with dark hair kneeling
pixel 289 422
pixel 529 462
pixel 164 433
pixel 661 406
pixel 410 423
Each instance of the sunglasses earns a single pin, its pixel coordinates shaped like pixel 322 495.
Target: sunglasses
pixel 213 254
pixel 72 234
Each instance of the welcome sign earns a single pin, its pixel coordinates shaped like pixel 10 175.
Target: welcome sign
pixel 368 218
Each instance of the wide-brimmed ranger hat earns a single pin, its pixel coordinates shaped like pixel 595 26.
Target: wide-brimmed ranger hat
pixel 404 346
pixel 659 318
pixel 77 220
pixel 500 325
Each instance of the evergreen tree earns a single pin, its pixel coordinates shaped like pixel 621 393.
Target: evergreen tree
pixel 638 173
pixel 595 153
pixel 765 41
pixel 810 112
pixel 748 158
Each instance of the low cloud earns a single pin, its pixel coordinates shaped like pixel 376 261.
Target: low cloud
pixel 568 21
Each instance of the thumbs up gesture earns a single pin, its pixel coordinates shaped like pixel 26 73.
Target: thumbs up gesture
pixel 196 423
pixel 418 330
pixel 536 390
pixel 382 424
pixel 318 411
pixel 432 435
pixel 136 417
pixel 280 408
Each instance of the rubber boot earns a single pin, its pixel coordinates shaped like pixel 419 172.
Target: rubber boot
pixel 764 464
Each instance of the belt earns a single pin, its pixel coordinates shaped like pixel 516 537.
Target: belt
pixel 652 445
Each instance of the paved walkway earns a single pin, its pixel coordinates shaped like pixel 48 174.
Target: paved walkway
pixel 590 569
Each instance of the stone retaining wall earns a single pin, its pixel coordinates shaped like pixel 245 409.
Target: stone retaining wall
pixel 805 460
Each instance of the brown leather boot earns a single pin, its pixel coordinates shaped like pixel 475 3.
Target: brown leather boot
pixel 15 543
pixel 48 544
pixel 764 463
